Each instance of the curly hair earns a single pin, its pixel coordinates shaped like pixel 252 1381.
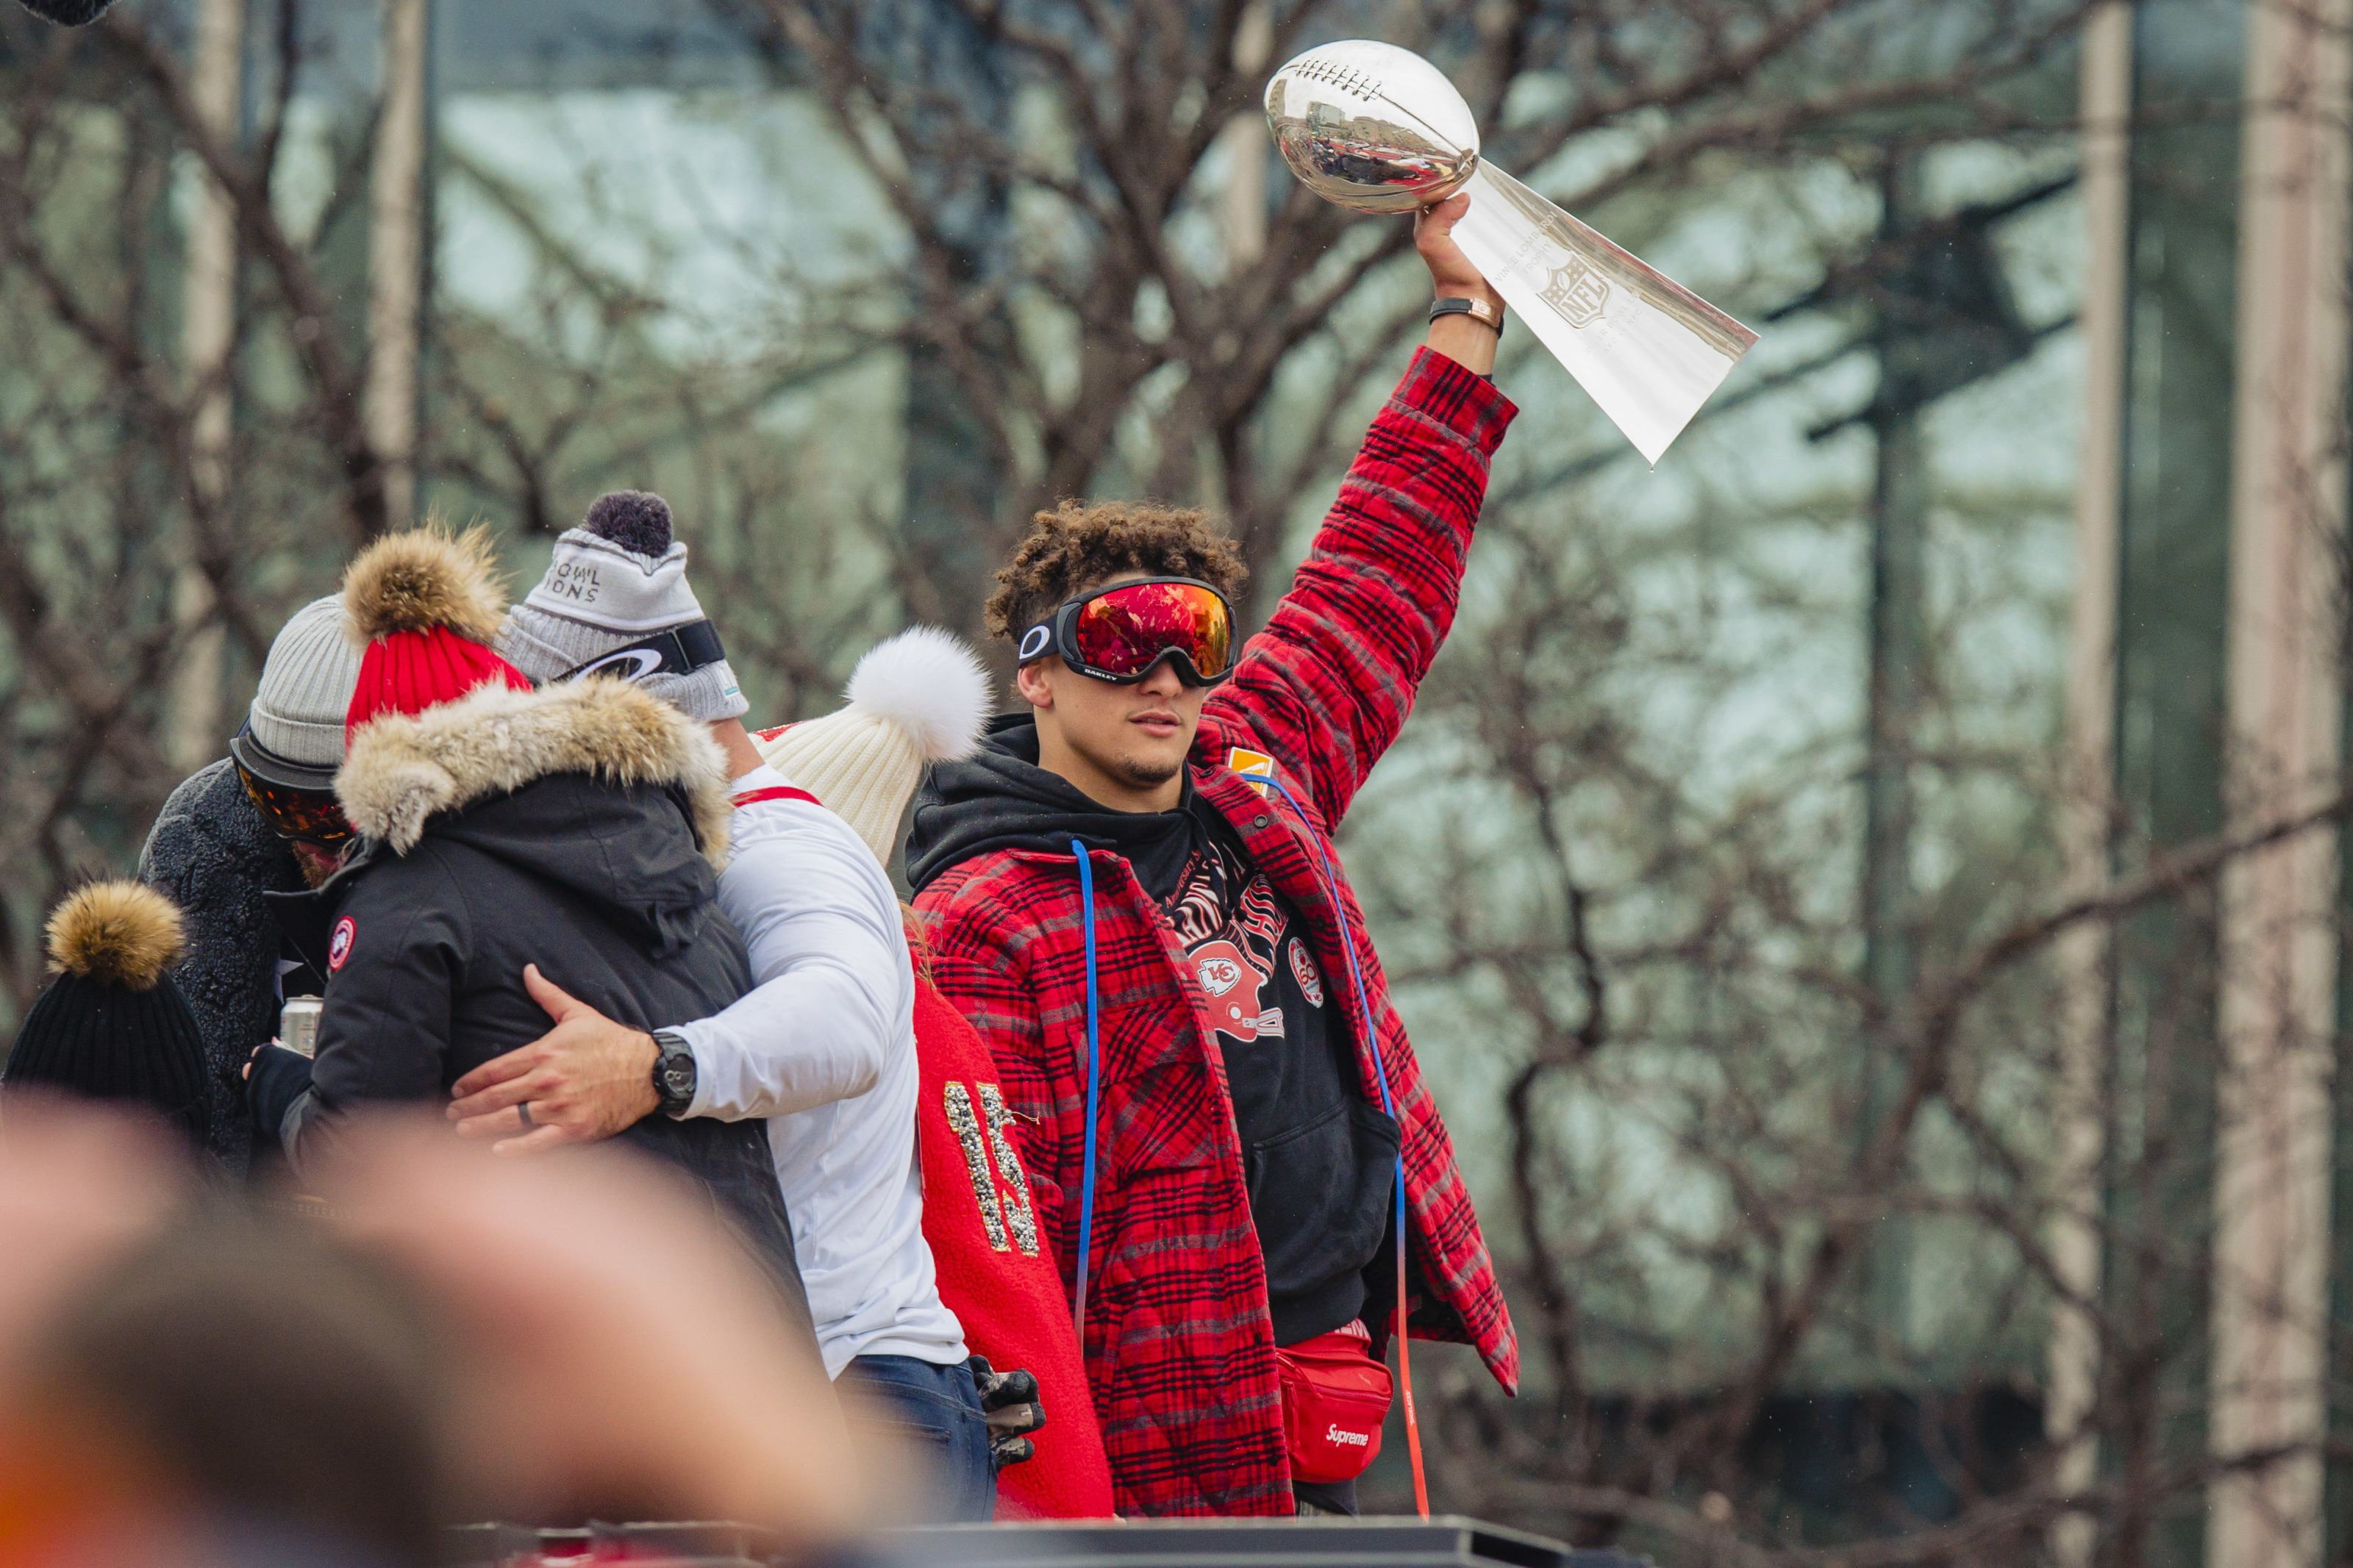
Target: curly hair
pixel 1079 544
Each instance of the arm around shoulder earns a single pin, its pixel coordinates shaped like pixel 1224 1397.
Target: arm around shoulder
pixel 830 957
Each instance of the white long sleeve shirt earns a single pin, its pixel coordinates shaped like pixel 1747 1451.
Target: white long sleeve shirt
pixel 824 1047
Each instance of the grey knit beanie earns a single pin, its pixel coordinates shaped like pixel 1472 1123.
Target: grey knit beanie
pixel 298 711
pixel 615 580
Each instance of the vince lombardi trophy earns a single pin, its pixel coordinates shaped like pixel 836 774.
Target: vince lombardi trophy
pixel 1380 130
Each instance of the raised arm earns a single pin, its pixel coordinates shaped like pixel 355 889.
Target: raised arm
pixel 1327 685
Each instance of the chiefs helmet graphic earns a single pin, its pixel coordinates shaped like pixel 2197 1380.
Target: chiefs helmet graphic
pixel 1233 986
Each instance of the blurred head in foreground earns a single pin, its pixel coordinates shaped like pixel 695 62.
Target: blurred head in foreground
pixel 249 1381
pixel 448 1338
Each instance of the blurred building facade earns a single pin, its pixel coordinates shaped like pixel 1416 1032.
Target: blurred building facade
pixel 2206 695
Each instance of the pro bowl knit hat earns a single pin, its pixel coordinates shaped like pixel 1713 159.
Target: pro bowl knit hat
pixel 294 730
pixel 422 607
pixel 922 697
pixel 112 1026
pixel 616 598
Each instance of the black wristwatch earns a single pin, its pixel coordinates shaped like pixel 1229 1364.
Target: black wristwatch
pixel 674 1077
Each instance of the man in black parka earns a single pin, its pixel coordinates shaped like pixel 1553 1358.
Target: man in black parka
pixel 579 827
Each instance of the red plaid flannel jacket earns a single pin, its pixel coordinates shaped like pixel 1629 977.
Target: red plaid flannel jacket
pixel 1179 1346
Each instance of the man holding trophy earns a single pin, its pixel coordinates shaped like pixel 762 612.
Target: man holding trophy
pixel 1131 891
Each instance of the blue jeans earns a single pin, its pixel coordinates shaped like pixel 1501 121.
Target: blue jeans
pixel 936 1410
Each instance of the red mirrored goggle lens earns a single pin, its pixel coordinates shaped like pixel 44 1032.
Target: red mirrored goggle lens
pixel 1126 630
pixel 297 813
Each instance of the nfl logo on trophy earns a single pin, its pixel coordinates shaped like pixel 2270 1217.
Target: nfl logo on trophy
pixel 1577 291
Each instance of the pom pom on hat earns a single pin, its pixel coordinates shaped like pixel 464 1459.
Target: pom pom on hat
pixel 424 603
pixel 930 685
pixel 423 579
pixel 111 1025
pixel 117 933
pixel 922 697
pixel 637 520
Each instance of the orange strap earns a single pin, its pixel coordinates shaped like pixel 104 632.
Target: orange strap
pixel 1405 1382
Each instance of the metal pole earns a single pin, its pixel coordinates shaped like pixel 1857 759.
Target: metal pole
pixel 2086 955
pixel 1898 644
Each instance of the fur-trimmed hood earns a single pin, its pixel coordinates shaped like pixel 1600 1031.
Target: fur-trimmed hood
pixel 404 769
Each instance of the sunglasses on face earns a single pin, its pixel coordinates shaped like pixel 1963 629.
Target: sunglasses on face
pixel 1118 634
pixel 314 816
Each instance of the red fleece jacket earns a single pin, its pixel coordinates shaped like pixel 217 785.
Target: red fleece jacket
pixel 993 1274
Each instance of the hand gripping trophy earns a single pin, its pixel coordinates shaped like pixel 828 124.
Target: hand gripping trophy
pixel 1378 128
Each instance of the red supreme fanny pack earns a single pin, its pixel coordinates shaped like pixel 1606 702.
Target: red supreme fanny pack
pixel 1335 1397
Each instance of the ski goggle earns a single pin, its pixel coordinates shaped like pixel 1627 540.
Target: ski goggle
pixel 315 816
pixel 1117 634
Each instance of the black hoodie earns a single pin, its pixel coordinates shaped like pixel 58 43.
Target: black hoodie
pixel 1319 1159
pixel 1000 798
pixel 479 859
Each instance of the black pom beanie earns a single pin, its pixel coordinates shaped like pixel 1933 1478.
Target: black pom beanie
pixel 637 520
pixel 113 1026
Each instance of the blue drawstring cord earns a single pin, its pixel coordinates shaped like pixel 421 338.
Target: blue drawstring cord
pixel 1094 1085
pixel 1356 976
pixel 1388 1106
pixel 1095 1046
pixel 1094 1059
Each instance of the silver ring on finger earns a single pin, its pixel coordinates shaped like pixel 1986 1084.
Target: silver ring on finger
pixel 524 1110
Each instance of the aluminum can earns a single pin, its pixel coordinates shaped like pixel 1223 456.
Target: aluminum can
pixel 297 1024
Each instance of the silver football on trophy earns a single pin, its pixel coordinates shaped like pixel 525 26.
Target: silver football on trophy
pixel 1372 127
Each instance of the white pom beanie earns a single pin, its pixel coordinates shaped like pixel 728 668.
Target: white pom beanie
pixel 922 697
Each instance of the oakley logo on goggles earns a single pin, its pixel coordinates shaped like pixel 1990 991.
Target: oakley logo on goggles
pixel 681 650
pixel 311 815
pixel 1118 634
